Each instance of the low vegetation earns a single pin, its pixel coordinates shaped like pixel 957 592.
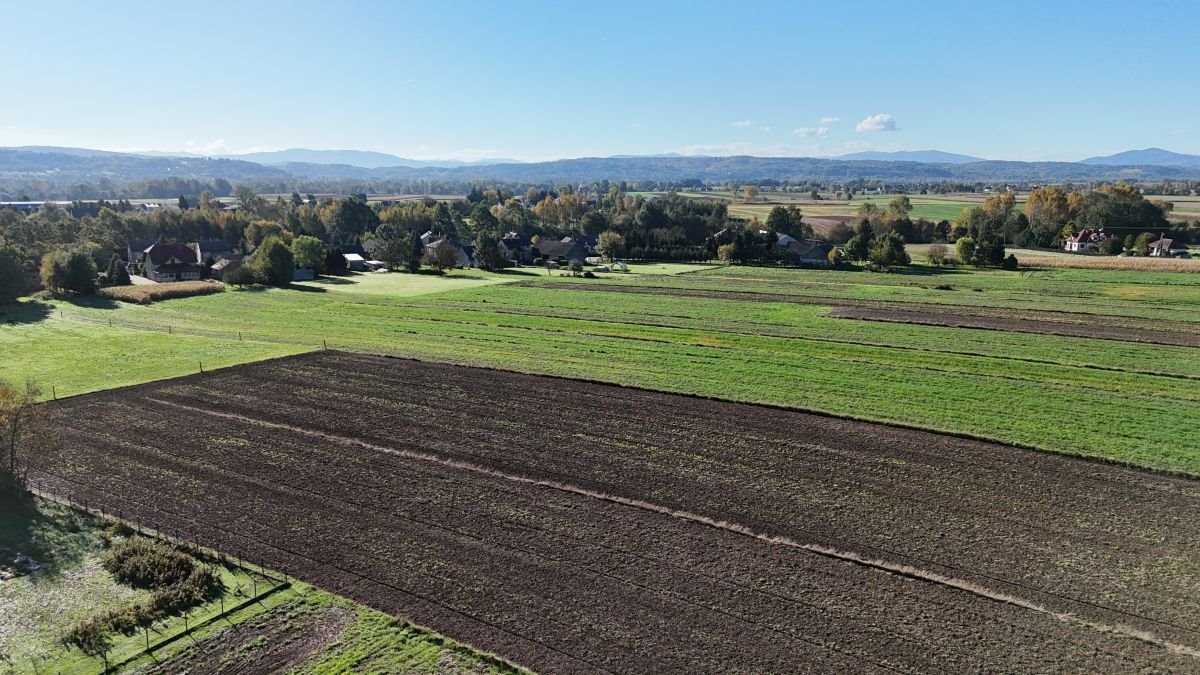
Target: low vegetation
pixel 148 293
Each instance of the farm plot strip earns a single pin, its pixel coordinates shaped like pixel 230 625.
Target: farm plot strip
pixel 1182 333
pixel 1024 325
pixel 735 528
pixel 570 526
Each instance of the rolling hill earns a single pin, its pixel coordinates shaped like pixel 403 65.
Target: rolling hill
pixel 1147 157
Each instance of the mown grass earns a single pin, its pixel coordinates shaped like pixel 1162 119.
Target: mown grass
pixel 67 357
pixel 1017 388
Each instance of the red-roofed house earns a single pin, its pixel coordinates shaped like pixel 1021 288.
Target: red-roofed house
pixel 1085 240
pixel 171 262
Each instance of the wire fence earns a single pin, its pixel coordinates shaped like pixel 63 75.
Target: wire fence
pixel 270 583
pixel 177 329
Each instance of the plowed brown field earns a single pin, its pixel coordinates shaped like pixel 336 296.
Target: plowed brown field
pixel 570 526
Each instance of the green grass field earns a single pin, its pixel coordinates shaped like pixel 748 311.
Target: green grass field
pixel 1011 387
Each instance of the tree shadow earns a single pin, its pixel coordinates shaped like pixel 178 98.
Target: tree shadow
pixel 332 281
pixel 93 302
pixel 56 537
pixel 28 311
pixel 306 289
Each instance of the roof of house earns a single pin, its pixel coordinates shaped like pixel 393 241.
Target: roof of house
pixel 213 246
pixel 558 249
pixel 225 263
pixel 140 245
pixel 514 239
pixel 1168 244
pixel 353 257
pixel 159 254
pixel 1088 235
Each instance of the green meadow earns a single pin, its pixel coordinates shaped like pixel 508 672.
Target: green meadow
pixel 1012 387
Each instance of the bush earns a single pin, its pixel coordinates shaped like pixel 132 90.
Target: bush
pixel 273 263
pixel 176 580
pixel 964 249
pixel 937 254
pixel 242 275
pixel 12 276
pixel 68 272
pixel 145 563
pixel 1010 263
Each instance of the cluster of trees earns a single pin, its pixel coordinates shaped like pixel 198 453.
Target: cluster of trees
pixel 1052 214
pixel 880 249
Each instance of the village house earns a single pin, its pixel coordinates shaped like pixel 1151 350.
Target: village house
pixel 516 247
pixel 805 251
pixel 462 259
pixel 1167 248
pixel 1085 240
pixel 567 249
pixel 212 249
pixel 171 262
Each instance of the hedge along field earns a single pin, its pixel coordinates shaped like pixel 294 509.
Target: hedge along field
pixel 1031 390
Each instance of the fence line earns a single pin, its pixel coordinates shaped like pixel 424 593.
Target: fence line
pixel 172 329
pixel 276 582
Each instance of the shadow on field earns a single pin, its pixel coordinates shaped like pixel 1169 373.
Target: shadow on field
pixel 93 302
pixel 29 311
pixel 55 537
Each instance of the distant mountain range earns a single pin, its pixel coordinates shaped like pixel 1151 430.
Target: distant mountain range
pixel 62 166
pixel 360 158
pixel 1147 157
pixel 923 156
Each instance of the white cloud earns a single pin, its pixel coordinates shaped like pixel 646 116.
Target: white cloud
pixel 764 128
pixel 880 122
pixel 807 132
pixel 742 123
pixel 826 121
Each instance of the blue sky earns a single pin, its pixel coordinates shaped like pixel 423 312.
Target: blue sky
pixel 470 80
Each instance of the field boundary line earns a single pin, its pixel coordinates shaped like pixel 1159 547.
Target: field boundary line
pixel 845 556
pixel 967 436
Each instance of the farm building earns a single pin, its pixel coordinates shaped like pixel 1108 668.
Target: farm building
pixel 1085 240
pixel 223 266
pixel 1166 248
pixel 355 262
pixel 171 262
pixel 805 251
pixel 560 251
pixel 463 258
pixel 213 249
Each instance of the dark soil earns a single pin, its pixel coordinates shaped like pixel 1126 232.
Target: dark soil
pixel 574 527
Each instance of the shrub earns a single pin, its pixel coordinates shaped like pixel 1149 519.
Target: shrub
pixel 12 276
pixel 68 272
pixel 1010 263
pixel 176 580
pixel 964 249
pixel 937 254
pixel 145 563
pixel 273 264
